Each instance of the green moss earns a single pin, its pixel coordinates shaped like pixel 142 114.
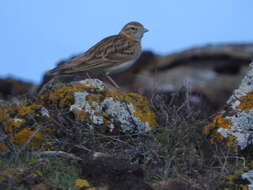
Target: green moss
pixel 56 172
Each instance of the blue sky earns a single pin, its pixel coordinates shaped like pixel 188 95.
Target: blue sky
pixel 36 34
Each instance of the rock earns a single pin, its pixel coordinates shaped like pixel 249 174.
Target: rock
pixel 104 109
pixel 240 179
pixel 69 110
pixel 17 121
pixel 199 69
pixel 234 124
pixel 12 88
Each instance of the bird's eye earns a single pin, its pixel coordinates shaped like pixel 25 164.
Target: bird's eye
pixel 133 28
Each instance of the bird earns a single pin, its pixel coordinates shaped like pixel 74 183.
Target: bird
pixel 113 54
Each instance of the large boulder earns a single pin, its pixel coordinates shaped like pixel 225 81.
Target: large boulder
pixel 234 124
pixel 200 69
pixel 66 110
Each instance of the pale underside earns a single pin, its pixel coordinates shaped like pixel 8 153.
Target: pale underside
pixel 121 67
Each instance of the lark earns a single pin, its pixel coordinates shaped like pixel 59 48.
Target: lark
pixel 111 55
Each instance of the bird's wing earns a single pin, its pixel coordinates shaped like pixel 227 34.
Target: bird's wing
pixel 110 51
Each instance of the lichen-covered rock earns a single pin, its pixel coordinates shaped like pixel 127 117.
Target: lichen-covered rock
pixel 241 179
pixel 20 124
pixel 38 123
pixel 234 124
pixel 107 110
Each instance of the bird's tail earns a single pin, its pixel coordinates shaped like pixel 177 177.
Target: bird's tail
pixel 48 76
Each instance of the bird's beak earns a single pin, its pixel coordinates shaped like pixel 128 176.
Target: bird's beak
pixel 146 30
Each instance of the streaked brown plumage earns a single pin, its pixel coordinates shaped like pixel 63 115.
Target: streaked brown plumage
pixel 112 54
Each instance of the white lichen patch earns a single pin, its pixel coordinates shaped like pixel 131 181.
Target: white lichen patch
pixel 44 112
pixel 94 83
pixel 123 113
pixel 119 113
pixel 18 120
pixel 241 128
pixel 249 177
pixel 235 104
pixel 245 87
pixel 80 101
pixel 223 132
pixel 94 110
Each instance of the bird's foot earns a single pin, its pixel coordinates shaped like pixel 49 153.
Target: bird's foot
pixel 112 82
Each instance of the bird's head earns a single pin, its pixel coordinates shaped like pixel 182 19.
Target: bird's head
pixel 134 30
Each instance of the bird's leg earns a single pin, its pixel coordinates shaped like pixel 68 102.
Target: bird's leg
pixel 88 75
pixel 112 81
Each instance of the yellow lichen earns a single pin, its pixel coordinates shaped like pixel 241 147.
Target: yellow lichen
pixel 231 142
pixel 3 147
pixel 107 121
pixel 81 115
pixel 5 120
pixel 232 180
pixel 142 109
pixel 28 137
pixel 114 94
pixel 14 117
pixel 24 110
pixel 11 125
pixel 18 122
pixel 38 173
pixel 243 187
pixel 140 103
pixel 83 184
pixel 97 98
pixel 220 122
pixel 246 102
pixel 3 114
pixel 61 96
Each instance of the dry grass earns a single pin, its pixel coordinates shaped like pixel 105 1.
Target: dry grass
pixel 176 149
